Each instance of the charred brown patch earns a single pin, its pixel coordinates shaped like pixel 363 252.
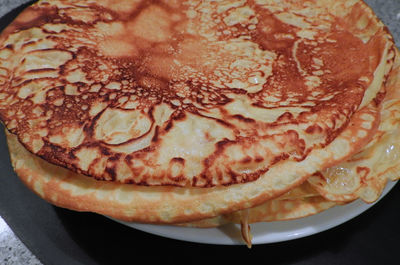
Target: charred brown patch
pixel 246 160
pixel 156 133
pixel 266 29
pixel 314 129
pixel 379 98
pixel 179 160
pixel 179 180
pixel 244 119
pixel 110 172
pixel 259 159
pixel 104 150
pixel 279 158
pixel 285 117
pixel 364 172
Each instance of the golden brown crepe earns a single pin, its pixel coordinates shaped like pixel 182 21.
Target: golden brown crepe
pixel 208 94
pixel 164 204
pixel 365 175
pixel 215 112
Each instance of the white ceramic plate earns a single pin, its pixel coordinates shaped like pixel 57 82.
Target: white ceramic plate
pixel 263 232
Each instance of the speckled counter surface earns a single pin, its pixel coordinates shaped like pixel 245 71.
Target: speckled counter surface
pixel 14 252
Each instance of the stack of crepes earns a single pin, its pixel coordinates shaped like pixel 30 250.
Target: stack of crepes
pixel 201 113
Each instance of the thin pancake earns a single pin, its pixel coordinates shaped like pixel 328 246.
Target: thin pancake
pixel 209 94
pixel 84 194
pixel 295 202
pixel 67 189
pixel 270 211
pixel 365 174
pixel 274 210
pixel 362 176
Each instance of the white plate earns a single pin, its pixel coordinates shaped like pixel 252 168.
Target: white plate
pixel 263 232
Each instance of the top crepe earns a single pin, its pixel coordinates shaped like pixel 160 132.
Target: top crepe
pixel 193 93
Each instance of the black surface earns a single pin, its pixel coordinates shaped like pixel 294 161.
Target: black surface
pixel 58 236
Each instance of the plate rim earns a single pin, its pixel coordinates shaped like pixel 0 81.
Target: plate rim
pixel 230 234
